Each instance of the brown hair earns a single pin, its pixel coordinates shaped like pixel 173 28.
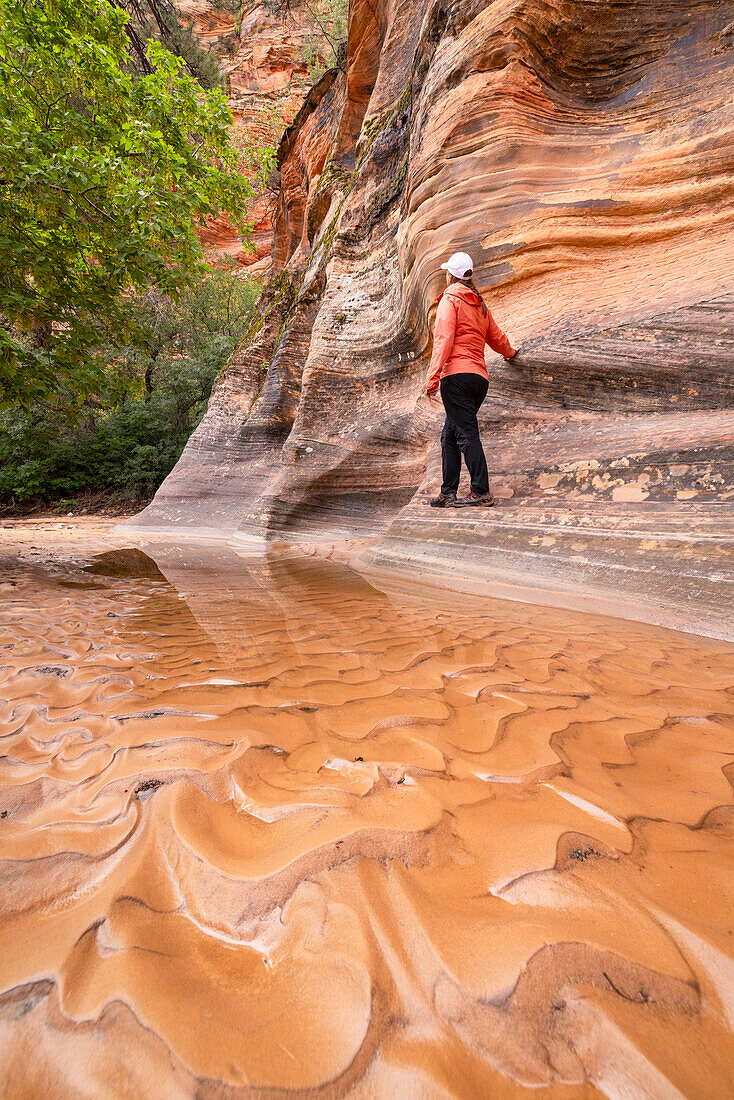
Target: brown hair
pixel 468 280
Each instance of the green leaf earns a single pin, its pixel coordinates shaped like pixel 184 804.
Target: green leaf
pixel 102 185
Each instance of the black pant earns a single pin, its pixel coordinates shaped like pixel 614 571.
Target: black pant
pixel 462 394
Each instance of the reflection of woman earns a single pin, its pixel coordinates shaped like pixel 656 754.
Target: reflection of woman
pixel 463 326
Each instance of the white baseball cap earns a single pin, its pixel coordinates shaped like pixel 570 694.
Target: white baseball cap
pixel 460 265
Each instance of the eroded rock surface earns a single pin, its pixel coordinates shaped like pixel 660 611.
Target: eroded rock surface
pixel 583 153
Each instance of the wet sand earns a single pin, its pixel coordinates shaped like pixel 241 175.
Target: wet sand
pixel 267 828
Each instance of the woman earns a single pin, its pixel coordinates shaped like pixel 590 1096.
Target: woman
pixel 463 326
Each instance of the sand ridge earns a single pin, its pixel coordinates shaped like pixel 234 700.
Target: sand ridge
pixel 267 829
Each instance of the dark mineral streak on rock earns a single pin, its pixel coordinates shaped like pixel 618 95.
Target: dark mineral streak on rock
pixel 582 153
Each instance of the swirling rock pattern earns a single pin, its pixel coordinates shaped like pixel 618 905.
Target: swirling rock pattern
pixel 582 152
pixel 266 829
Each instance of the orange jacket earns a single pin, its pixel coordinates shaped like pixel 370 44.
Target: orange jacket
pixel 459 336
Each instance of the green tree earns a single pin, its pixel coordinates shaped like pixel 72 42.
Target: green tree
pixel 105 175
pixel 326 46
pixel 120 442
pixel 193 334
pixel 160 19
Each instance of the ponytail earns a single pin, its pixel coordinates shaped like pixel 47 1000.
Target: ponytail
pixel 468 280
pixel 470 283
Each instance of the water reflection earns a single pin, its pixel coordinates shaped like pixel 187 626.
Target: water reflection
pixel 270 827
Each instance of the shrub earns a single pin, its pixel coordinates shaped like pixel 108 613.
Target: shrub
pixel 125 439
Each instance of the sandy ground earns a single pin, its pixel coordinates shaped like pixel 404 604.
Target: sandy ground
pixel 48 538
pixel 266 827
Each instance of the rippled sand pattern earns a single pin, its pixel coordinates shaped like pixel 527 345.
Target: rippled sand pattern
pixel 264 829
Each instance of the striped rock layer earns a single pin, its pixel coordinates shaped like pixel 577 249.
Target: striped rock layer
pixel 583 153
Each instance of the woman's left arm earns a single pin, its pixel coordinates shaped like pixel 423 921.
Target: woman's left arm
pixel 498 341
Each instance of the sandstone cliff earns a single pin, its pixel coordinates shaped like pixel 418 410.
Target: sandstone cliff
pixel 583 153
pixel 263 58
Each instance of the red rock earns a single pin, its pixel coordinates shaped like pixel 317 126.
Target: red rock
pixel 264 62
pixel 582 153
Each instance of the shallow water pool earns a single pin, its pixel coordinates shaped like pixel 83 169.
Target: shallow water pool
pixel 266 827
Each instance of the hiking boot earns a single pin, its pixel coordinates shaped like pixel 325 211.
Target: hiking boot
pixel 443 500
pixel 473 498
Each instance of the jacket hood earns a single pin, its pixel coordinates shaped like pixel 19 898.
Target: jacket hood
pixel 459 290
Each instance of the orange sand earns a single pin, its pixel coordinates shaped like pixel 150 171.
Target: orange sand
pixel 265 828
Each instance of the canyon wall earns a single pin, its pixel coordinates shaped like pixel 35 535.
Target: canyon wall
pixel 263 60
pixel 583 153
